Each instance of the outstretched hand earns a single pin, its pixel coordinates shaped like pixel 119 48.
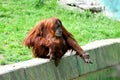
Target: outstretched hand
pixel 86 58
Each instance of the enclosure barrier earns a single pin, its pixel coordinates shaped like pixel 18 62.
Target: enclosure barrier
pixel 105 55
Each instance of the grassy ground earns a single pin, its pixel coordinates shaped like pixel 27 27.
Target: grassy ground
pixel 17 17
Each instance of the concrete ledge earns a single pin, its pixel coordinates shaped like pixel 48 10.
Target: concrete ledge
pixel 104 53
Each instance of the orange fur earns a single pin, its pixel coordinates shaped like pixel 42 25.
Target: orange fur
pixel 38 39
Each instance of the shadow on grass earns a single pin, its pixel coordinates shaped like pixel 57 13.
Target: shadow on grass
pixel 39 4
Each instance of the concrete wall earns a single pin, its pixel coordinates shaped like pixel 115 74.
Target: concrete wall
pixel 104 53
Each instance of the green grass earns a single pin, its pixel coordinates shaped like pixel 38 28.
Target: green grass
pixel 17 17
